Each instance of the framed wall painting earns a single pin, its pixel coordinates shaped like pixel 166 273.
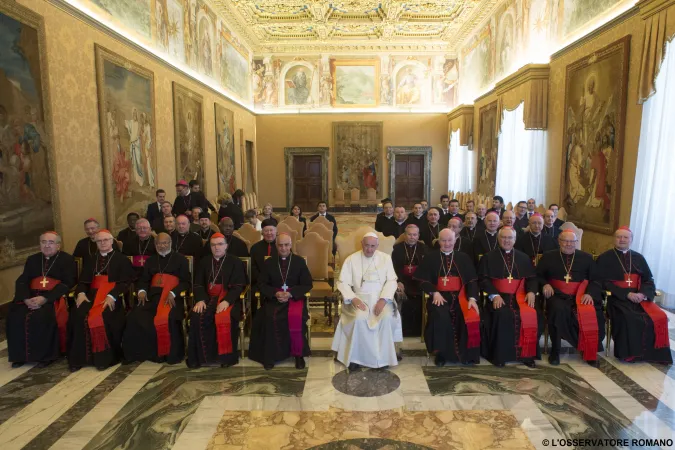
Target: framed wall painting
pixel 356 83
pixel 188 123
pixel 28 191
pixel 487 150
pixel 593 137
pixel 126 102
pixel 225 150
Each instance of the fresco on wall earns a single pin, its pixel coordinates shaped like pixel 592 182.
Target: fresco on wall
pixel 358 156
pixel 134 15
pixel 445 87
pixel 188 125
pixel 355 83
pixel 410 84
pixel 476 65
pixel 225 150
pixel 505 43
pixel 540 26
pixel 487 150
pixel 233 60
pixel 175 30
pixel 26 203
pixel 298 85
pixel 578 13
pixel 127 116
pixel 595 105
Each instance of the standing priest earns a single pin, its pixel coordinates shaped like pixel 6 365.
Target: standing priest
pixel 573 301
pixel 280 328
pixel 38 316
pixel 365 334
pixel 214 320
pixel 449 278
pixel 639 326
pixel 486 237
pixel 512 320
pixel 96 322
pixel 406 257
pixel 534 242
pixel 154 330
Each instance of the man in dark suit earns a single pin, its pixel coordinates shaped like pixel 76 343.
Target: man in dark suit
pixel 453 211
pixel 522 220
pixel 384 219
pixel 498 205
pixel 323 211
pixel 154 208
pixel 558 223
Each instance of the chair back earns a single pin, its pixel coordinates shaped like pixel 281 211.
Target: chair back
pixel 254 200
pixel 247 232
pixel 355 197
pixel 322 230
pixel 119 244
pixel 351 243
pixel 339 195
pixel 78 269
pixel 284 228
pixel 316 251
pixel 577 231
pixel 248 243
pixel 321 220
pixel 371 194
pixel 214 217
pixel 294 224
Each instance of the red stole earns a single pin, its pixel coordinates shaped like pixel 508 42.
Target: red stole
pixel 659 318
pixel 99 338
pixel 528 315
pixel 161 320
pixel 223 320
pixel 295 324
pixel 471 317
pixel 60 307
pixel 588 321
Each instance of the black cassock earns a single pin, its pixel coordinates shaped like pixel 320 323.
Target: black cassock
pixel 205 346
pixel 235 247
pixel 553 232
pixel 406 259
pixel 446 333
pixel 462 244
pixel 141 335
pixel 381 221
pixel 468 233
pixel 500 341
pixel 428 233
pixel 393 228
pixel 140 251
pixel 533 245
pixel 86 247
pixel 280 329
pixel 561 308
pixel 188 244
pixel 35 335
pixel 632 327
pixel 259 251
pixel 419 222
pixel 81 350
pixel 483 243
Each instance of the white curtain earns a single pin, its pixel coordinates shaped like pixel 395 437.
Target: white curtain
pixel 461 166
pixel 654 181
pixel 521 160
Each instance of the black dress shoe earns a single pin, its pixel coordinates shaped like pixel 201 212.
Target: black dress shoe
pixel 439 361
pixel 17 364
pixel 554 360
pixel 399 357
pixel 125 362
pixel 468 363
pixel 595 363
pixel 74 369
pixel 353 367
pixel 226 365
pixel 192 366
pixel 43 364
pixel 268 366
pixel 530 363
pixel 299 362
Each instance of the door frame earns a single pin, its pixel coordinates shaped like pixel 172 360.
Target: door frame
pixel 425 151
pixel 289 153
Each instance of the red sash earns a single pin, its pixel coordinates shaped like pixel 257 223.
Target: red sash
pixel 588 321
pixel 99 338
pixel 295 324
pixel 139 260
pixel 60 307
pixel 471 317
pixel 659 318
pixel 409 270
pixel 161 320
pixel 223 321
pixel 528 315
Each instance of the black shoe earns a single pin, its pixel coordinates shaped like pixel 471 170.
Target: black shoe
pixel 125 362
pixel 43 364
pixel 399 357
pixel 353 367
pixel 74 369
pixel 468 363
pixel 439 361
pixel 554 359
pixel 192 366
pixel 299 362
pixel 226 365
pixel 268 366
pixel 530 363
pixel 595 363
pixel 501 364
pixel 17 364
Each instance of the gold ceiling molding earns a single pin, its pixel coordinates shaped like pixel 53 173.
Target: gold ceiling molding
pixel 309 26
pixel 528 85
pixel 461 118
pixel 659 18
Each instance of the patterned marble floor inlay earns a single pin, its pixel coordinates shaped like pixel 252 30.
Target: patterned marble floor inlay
pixel 391 429
pixel 366 383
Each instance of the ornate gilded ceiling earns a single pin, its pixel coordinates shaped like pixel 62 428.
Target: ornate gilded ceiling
pixel 277 26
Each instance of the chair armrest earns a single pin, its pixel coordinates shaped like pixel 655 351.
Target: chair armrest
pixel 244 293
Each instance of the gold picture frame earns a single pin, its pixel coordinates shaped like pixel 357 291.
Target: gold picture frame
pixel 342 82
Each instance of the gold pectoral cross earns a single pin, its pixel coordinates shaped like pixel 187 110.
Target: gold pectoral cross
pixel 44 282
pixel 567 278
pixel 445 281
pixel 142 261
pixel 510 278
pixel 628 280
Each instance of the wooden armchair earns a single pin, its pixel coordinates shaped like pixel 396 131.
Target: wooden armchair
pixel 294 224
pixel 339 197
pixel 316 251
pixel 355 197
pixel 247 232
pixel 321 220
pixel 371 197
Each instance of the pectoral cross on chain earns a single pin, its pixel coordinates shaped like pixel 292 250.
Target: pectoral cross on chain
pixel 44 282
pixel 567 278
pixel 284 287
pixel 445 281
pixel 510 278
pixel 142 261
pixel 628 281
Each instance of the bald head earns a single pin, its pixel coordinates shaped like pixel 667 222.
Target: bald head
pixel 446 240
pixel 623 239
pixel 284 243
pixel 536 224
pixel 506 238
pixel 509 218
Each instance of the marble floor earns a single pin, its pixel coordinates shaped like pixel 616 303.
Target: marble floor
pixel 414 405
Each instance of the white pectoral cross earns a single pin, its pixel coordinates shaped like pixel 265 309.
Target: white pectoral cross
pixel 628 281
pixel 284 287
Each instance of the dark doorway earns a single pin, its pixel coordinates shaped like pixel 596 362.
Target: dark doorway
pixel 409 187
pixel 307 179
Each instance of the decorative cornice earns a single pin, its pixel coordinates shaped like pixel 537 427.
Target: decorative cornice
pixel 650 7
pixel 461 110
pixel 523 75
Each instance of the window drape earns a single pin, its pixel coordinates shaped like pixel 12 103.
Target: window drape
pixel 461 165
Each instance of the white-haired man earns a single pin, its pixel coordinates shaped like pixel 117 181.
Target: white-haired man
pixel 365 335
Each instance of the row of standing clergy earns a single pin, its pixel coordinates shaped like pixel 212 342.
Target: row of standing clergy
pixel 94 329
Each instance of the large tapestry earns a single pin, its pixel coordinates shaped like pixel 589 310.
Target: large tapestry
pixel 225 150
pixel 595 106
pixel 126 101
pixel 487 150
pixel 188 126
pixel 27 200
pixel 358 156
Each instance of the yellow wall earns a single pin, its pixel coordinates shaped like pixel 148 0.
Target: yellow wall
pixel 76 140
pixel 274 132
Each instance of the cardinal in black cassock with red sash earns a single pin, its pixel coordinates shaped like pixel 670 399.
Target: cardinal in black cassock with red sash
pixel 280 327
pixel 453 328
pixel 96 323
pixel 406 257
pixel 512 320
pixel 573 299
pixel 214 321
pixel 638 325
pixel 154 330
pixel 38 316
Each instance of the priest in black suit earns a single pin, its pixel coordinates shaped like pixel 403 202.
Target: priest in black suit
pixel 486 239
pixel 140 247
pixel 555 208
pixel 396 227
pixel 534 242
pixel 126 233
pixel 267 247
pixel 386 216
pixel 417 217
pixel 87 245
pixel 186 199
pixel 430 230
pixel 184 241
pixel 550 229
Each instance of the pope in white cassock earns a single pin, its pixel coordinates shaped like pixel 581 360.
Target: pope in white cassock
pixel 369 323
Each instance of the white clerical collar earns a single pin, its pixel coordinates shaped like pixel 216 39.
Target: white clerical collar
pixel 447 253
pixel 322 214
pixel 188 192
pixel 623 251
pixel 507 251
pixel 388 217
pixel 284 258
pixel 106 253
pixel 535 235
pixel 420 216
pixel 165 254
pixel 491 233
pixel 400 223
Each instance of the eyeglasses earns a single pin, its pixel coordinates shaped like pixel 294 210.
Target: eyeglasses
pixel 103 240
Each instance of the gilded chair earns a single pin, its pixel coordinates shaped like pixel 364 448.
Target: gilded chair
pixel 355 197
pixel 339 197
pixel 323 221
pixel 294 224
pixel 317 250
pixel 371 197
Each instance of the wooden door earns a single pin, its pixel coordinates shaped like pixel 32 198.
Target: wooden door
pixel 409 182
pixel 307 179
